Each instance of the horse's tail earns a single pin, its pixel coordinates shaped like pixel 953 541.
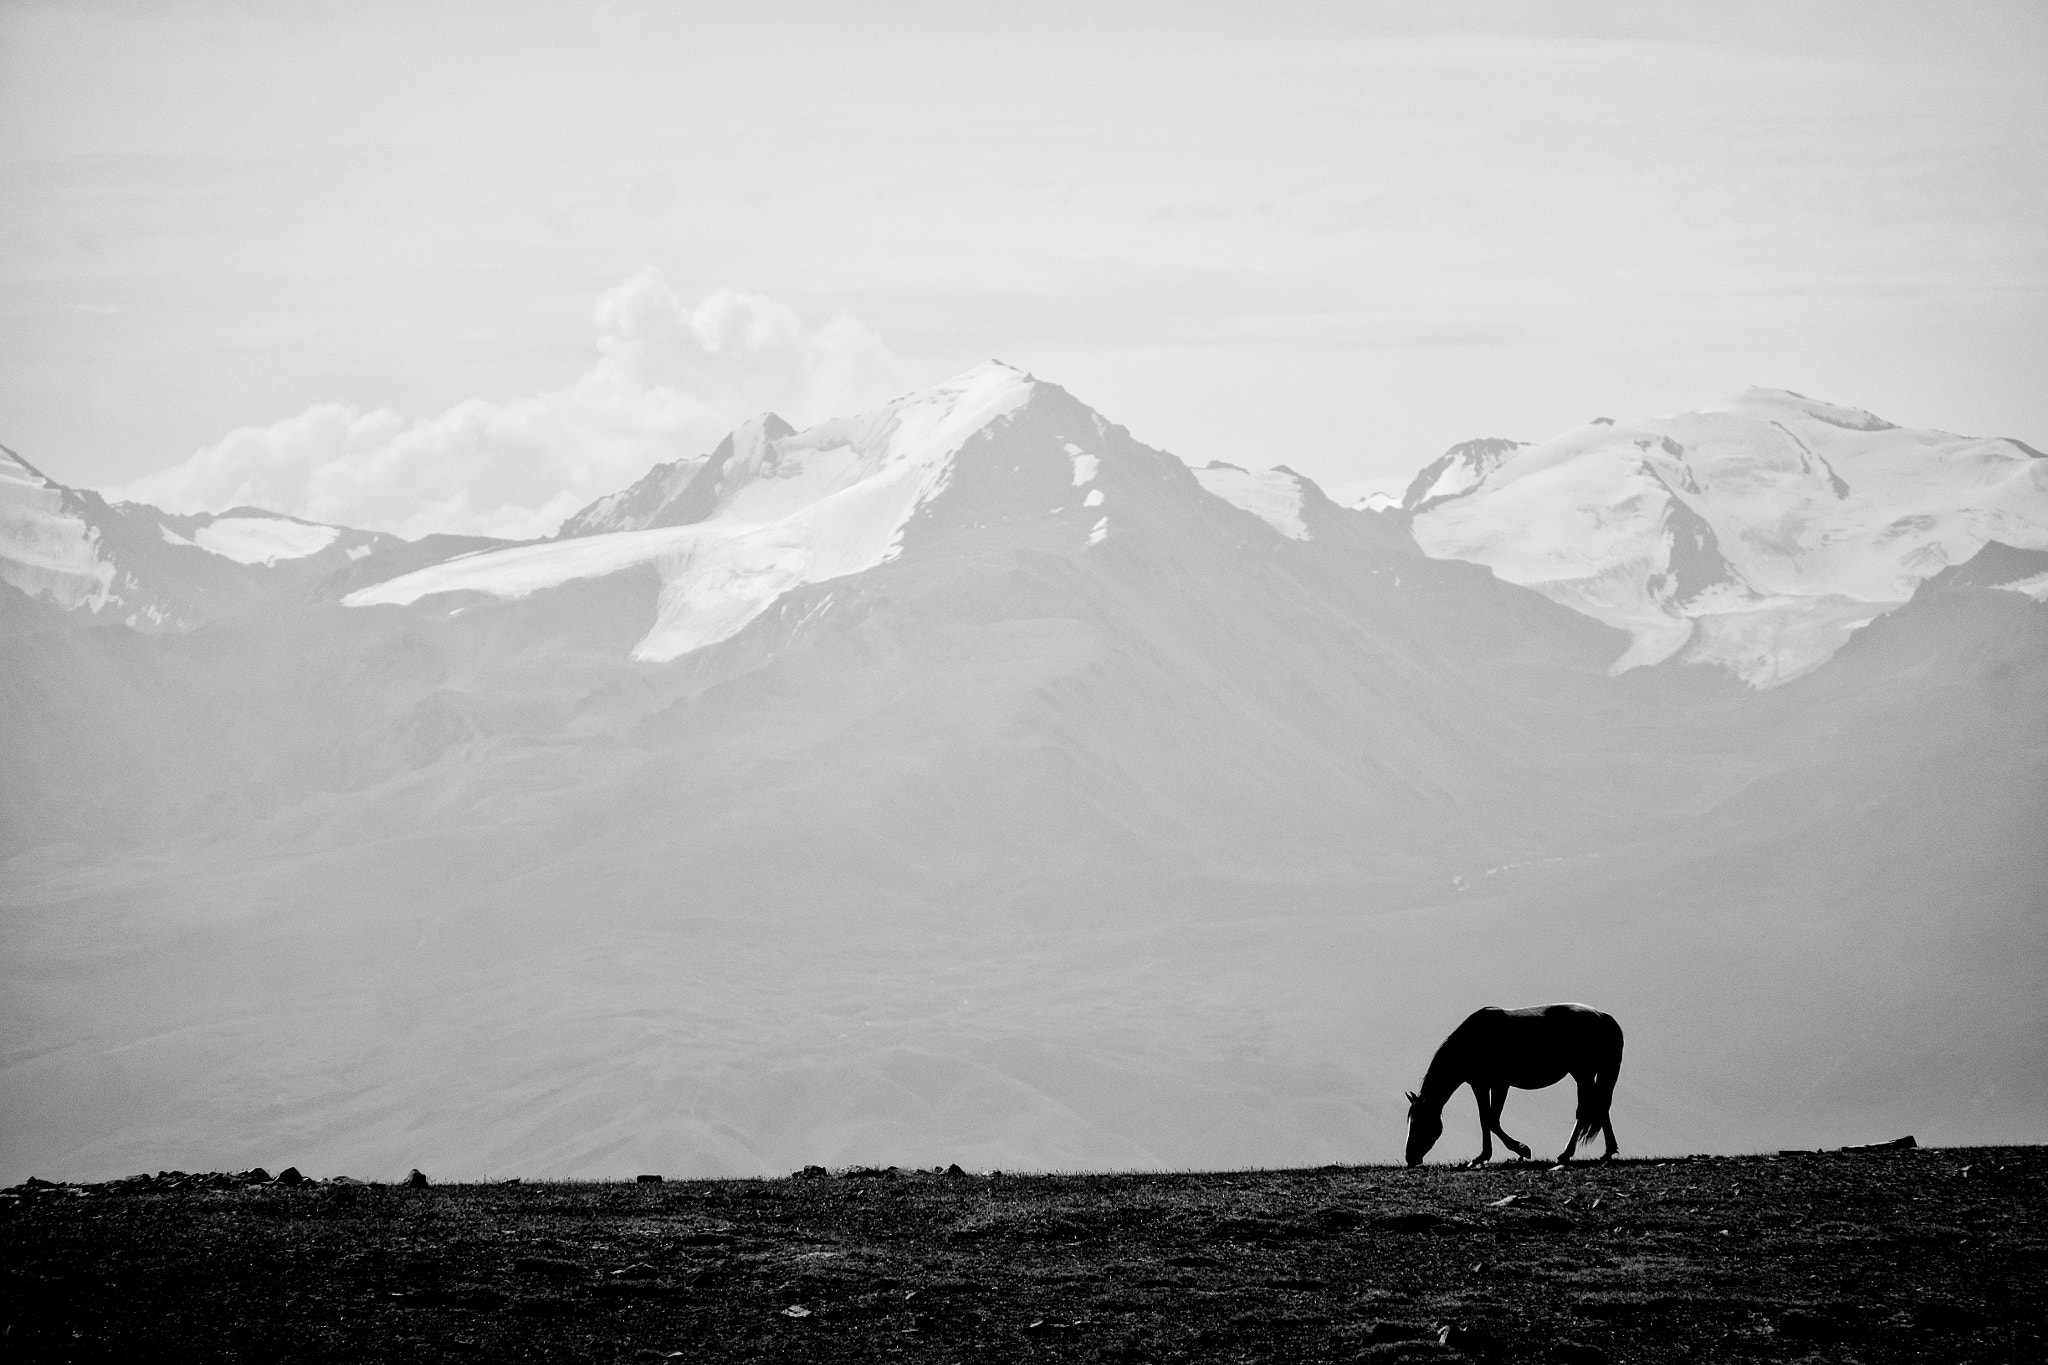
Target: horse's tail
pixel 1598 1098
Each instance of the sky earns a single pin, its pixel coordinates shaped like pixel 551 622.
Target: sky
pixel 455 266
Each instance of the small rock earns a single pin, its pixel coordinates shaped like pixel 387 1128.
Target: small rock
pixel 290 1178
pixel 954 1169
pixel 811 1173
pixel 796 1310
pixel 647 1179
pixel 255 1175
pixel 1896 1144
pixel 415 1179
pixel 1473 1341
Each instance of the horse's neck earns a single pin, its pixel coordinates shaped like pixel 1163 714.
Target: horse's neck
pixel 1446 1073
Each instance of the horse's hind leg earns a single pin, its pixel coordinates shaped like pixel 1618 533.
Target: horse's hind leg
pixel 1607 1080
pixel 1587 1121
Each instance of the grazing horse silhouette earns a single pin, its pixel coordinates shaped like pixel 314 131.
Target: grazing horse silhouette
pixel 1528 1049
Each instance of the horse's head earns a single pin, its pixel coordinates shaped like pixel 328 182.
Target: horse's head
pixel 1425 1126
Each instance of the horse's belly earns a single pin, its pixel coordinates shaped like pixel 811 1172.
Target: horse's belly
pixel 1535 1078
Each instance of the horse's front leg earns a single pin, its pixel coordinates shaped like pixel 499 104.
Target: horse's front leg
pixel 1480 1094
pixel 1499 1102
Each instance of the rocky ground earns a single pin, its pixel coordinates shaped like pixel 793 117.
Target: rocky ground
pixel 1889 1255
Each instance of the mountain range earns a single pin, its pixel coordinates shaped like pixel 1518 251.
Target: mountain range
pixel 969 781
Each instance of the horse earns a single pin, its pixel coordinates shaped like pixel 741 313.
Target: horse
pixel 1527 1049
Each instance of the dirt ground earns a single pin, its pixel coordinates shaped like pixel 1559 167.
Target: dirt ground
pixel 1896 1255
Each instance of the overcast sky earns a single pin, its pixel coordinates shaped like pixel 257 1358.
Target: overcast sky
pixel 466 266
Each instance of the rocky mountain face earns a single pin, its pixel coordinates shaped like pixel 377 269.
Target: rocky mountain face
pixel 657 499
pixel 1458 470
pixel 969 781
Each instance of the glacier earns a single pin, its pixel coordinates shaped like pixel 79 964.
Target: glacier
pixel 1757 535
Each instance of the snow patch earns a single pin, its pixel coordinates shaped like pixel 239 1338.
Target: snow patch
pixel 1094 498
pixel 263 540
pixel 1085 465
pixel 358 552
pixel 2035 587
pixel 1274 497
pixel 45 551
pixel 172 537
pixel 1379 493
pixel 1099 532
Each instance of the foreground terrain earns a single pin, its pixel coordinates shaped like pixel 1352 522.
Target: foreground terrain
pixel 1848 1256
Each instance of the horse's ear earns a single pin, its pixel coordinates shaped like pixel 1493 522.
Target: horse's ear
pixel 1413 1097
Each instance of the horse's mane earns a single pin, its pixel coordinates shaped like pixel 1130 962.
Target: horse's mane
pixel 1446 1058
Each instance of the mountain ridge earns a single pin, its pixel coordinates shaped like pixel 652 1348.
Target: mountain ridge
pixel 1023 845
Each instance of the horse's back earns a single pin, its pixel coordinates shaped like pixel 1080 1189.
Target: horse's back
pixel 1576 1025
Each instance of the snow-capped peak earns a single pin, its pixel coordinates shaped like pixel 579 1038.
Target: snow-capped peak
pixel 46 548
pixel 672 494
pixel 1778 404
pixel 769 510
pixel 1458 470
pixel 1756 534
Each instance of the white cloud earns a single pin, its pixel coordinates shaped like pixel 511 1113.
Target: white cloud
pixel 670 379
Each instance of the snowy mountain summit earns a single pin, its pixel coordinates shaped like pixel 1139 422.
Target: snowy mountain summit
pixel 770 510
pixel 1757 534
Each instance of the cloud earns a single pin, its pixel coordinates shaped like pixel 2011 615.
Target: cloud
pixel 670 379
